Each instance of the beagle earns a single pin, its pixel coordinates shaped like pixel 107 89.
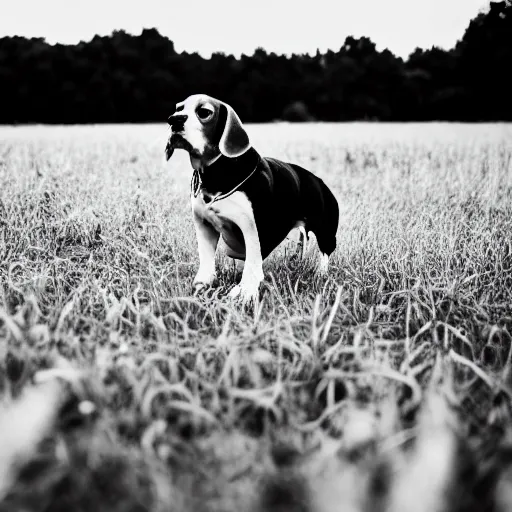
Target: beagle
pixel 253 202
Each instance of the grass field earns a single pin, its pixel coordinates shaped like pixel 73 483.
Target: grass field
pixel 385 387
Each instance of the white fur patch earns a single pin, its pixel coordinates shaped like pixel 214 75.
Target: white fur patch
pixel 323 263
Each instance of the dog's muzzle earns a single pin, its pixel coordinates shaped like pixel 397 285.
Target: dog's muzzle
pixel 177 124
pixel 177 141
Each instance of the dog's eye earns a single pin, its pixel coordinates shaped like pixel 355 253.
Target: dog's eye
pixel 204 113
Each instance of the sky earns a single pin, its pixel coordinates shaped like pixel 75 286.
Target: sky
pixel 240 26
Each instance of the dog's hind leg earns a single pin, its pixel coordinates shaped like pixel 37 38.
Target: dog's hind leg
pixel 326 242
pixel 299 236
pixel 303 238
pixel 325 226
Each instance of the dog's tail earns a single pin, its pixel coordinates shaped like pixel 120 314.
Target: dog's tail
pixel 322 221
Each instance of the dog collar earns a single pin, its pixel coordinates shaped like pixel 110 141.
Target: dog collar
pixel 197 183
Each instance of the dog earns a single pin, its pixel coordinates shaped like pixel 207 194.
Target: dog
pixel 253 202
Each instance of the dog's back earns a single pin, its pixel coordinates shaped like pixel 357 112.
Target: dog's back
pixel 285 193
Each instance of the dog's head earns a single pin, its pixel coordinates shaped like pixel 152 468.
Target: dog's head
pixel 206 128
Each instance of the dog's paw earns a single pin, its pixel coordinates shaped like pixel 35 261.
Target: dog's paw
pixel 243 294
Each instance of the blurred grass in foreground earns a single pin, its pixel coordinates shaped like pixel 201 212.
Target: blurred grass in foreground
pixel 384 387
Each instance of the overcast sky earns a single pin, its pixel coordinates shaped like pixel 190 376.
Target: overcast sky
pixel 236 26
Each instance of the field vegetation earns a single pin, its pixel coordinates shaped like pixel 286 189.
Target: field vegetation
pixel 386 386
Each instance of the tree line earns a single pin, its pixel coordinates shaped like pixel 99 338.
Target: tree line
pixel 127 78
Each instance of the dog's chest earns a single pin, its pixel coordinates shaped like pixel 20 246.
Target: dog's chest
pixel 209 210
pixel 219 214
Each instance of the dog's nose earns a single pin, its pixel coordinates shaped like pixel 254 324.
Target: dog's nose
pixel 177 119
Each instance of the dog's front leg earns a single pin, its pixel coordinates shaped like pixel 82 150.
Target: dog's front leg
pixel 207 240
pixel 240 211
pixel 252 274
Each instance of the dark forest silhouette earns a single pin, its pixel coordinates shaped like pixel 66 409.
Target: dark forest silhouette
pixel 126 78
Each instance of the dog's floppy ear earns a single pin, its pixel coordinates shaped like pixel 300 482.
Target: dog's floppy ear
pixel 234 139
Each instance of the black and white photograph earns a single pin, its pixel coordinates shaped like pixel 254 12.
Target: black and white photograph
pixel 256 256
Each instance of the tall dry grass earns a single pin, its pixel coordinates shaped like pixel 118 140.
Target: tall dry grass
pixel 385 386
